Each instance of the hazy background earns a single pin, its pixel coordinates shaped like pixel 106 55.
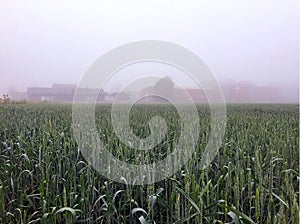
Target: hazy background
pixel 46 42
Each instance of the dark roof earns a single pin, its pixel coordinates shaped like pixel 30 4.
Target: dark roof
pixel 119 93
pixel 38 90
pixel 69 86
pixel 67 91
pixel 85 91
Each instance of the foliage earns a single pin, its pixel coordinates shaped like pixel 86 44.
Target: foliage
pixel 7 100
pixel 253 179
pixel 163 88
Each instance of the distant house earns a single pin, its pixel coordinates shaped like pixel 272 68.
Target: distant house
pixel 185 95
pixel 64 93
pixel 50 94
pixel 247 92
pixel 120 96
pixel 88 95
pixel 241 92
pixel 178 95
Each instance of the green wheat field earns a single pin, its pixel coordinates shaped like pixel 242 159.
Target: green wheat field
pixel 253 179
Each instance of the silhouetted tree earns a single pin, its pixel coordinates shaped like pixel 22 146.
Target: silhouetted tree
pixel 164 88
pixel 5 99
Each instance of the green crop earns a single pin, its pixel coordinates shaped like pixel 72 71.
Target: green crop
pixel 253 179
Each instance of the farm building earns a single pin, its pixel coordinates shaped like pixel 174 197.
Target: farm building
pixel 64 93
pixel 177 95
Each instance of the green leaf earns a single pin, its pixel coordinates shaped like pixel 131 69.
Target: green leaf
pixel 240 214
pixel 189 199
pixel 138 210
pixel 234 217
pixel 143 220
pixel 214 204
pixel 67 209
pixel 185 219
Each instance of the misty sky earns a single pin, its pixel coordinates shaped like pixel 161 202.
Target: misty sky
pixel 45 42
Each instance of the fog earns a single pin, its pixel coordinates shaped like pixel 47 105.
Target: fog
pixel 46 42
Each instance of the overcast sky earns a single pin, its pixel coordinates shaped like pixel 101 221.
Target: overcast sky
pixel 45 42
